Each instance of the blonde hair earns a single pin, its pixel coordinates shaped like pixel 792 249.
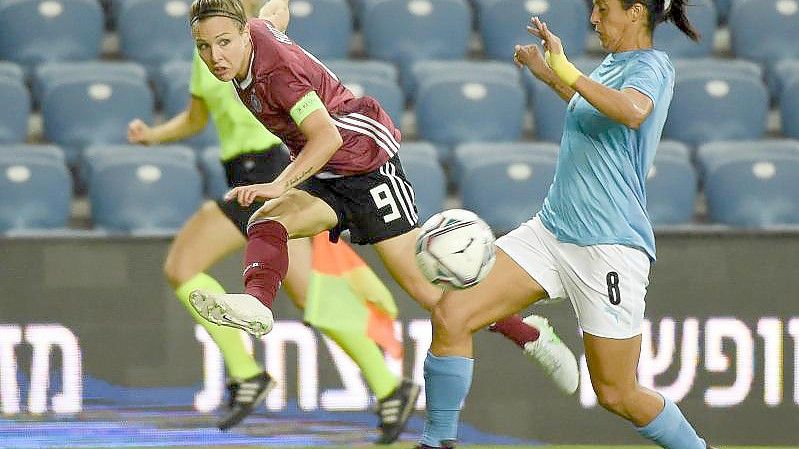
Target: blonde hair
pixel 233 9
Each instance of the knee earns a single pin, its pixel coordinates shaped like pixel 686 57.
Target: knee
pixel 175 272
pixel 448 321
pixel 612 398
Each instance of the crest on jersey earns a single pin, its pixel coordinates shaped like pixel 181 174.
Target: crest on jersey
pixel 255 102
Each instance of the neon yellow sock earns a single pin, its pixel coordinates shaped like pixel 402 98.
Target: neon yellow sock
pixel 367 355
pixel 239 363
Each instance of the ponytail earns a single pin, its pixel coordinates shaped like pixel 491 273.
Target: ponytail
pixel 677 15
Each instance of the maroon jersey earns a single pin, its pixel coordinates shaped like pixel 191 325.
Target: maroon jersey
pixel 281 73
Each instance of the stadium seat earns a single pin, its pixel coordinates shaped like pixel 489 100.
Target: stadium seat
pixel 98 154
pixel 671 186
pixel 427 70
pixel 146 194
pixel 789 108
pixel 506 191
pixel 784 71
pixel 93 108
pixel 11 70
pixel 405 31
pixel 50 74
pixel 166 37
pixel 15 110
pixel 751 184
pixel 778 18
pixel 386 91
pixel 722 106
pixel 322 27
pixel 174 78
pixel 703 16
pixel 215 182
pixel 35 189
pixel 684 66
pixel 466 152
pixel 36 152
pixel 345 68
pixel 427 177
pixel 503 24
pixel 548 108
pixel 35 31
pixel 460 108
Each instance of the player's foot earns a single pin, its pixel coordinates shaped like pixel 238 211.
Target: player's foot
pixel 446 444
pixel 240 310
pixel 554 357
pixel 244 397
pixel 393 411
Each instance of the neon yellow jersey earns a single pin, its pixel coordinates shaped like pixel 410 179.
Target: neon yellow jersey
pixel 239 131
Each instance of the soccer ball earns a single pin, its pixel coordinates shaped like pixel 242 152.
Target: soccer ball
pixel 455 249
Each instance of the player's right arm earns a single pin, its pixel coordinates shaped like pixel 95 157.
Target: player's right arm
pixel 189 122
pixel 277 12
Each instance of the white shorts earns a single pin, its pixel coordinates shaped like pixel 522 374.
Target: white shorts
pixel 606 284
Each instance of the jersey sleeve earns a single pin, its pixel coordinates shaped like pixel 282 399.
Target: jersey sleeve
pixel 647 77
pixel 195 83
pixel 288 87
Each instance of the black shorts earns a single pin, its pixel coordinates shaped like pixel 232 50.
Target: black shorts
pixel 251 168
pixel 374 206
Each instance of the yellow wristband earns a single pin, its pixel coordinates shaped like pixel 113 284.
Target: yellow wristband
pixel 565 70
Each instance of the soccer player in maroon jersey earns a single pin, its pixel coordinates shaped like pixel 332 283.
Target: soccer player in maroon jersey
pixel 345 174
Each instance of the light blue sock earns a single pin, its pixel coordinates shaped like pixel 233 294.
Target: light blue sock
pixel 447 382
pixel 671 430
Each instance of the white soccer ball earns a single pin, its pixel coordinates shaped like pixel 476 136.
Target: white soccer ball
pixel 455 249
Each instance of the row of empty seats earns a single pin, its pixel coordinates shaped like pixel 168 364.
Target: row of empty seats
pixel 455 101
pixel 132 189
pixel 402 31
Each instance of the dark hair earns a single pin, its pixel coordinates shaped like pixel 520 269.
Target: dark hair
pixel 658 14
pixel 233 9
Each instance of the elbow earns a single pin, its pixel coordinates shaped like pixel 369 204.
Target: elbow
pixel 634 120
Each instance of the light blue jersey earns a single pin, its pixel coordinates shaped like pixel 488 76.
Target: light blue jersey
pixel 598 195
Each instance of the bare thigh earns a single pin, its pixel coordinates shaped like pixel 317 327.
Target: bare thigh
pixel 207 237
pixel 506 290
pixel 302 214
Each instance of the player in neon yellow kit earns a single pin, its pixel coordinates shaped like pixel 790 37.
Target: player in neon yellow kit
pixel 251 155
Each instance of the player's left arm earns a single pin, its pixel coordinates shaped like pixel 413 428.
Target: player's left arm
pixel 322 141
pixel 277 12
pixel 628 106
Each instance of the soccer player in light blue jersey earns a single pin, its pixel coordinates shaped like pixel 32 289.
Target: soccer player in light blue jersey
pixel 592 241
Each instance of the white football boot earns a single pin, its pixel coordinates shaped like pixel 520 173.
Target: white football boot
pixel 239 310
pixel 554 357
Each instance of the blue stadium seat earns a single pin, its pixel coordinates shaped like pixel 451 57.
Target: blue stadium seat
pixel 671 185
pixel 427 177
pixel 98 154
pixel 751 184
pixel 703 16
pixel 778 18
pixel 346 68
pixel 50 74
pixel 322 27
pixel 466 152
pixel 722 106
pixel 36 152
pixel 35 192
pixel 165 37
pixel 548 108
pixel 36 31
pixel 15 110
pixel 685 66
pixel 427 70
pixel 506 191
pixel 213 173
pixel 148 194
pixel 93 108
pixel 405 31
pixel 460 108
pixel 784 71
pixel 503 24
pixel 386 91
pixel 11 70
pixel 175 77
pixel 789 108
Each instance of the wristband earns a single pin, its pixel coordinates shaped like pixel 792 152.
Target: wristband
pixel 565 70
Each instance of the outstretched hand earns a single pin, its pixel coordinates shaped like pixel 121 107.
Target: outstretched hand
pixel 549 40
pixel 246 195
